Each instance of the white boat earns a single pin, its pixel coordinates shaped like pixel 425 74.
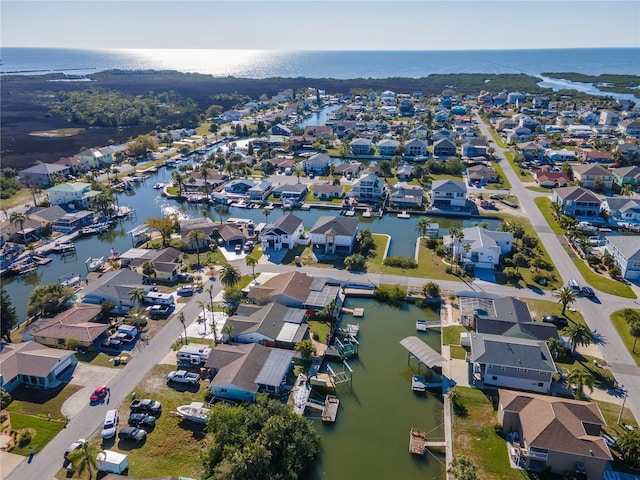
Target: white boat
pixel 421 325
pixel 195 411
pixel 404 214
pixel 350 330
pixel 94 264
pixel 585 227
pixel 69 280
pixel 158 186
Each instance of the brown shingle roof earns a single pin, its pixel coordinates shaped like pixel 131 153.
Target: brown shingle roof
pixel 74 322
pixel 28 358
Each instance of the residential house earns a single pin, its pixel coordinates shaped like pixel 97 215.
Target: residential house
pixel 280 130
pixel 475 147
pixel 334 233
pixel 404 195
pixel 31 229
pixel 80 321
pixel 448 194
pixel 515 97
pixel 440 116
pixel 563 155
pixel 351 169
pixel 622 209
pixel 590 118
pixel 113 286
pixel 442 133
pixel 388 96
pixel 597 156
pixel 518 135
pixel 60 219
pixel 203 224
pixel 626 252
pixel 485 247
pixel 166 263
pixel 531 151
pixel 282 233
pixel 624 176
pixel 318 131
pixel 32 364
pixel 260 191
pixel 511 362
pixel 360 146
pixel 102 157
pixel 42 174
pixel 298 290
pixel 577 201
pixel 404 172
pixel 415 148
pixel 506 123
pixel 273 325
pixel 630 127
pixel 444 149
pixel 629 150
pixel 78 194
pixel 555 433
pixel 368 188
pixel 327 191
pixel 610 118
pixel 242 371
pixel 551 179
pixel 593 176
pixel 480 175
pixel 75 165
pixel 420 132
pixel 387 147
pixel 239 186
pixel 294 192
pixel 229 235
pixel 318 163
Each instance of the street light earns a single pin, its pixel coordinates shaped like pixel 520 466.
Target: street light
pixel 624 399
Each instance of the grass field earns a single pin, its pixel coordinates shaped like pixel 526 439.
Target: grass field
pixel 618 320
pixel 602 283
pixel 544 204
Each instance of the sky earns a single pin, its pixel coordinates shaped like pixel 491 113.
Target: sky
pixel 321 24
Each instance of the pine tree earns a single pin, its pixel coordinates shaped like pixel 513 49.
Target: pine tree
pixel 8 316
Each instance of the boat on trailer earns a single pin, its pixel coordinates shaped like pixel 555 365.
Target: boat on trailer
pixel 195 411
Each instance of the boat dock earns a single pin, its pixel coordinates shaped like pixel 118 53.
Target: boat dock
pixel 356 312
pixel 300 394
pixel 418 443
pixel 330 410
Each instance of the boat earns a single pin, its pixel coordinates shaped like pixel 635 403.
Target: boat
pixel 94 229
pixel 421 325
pixel 62 247
pixel 69 280
pixel 418 383
pixel 367 213
pixel 40 260
pixel 404 214
pixel 585 227
pixel 94 264
pixel 604 230
pixel 158 186
pixel 350 330
pixel 24 267
pixel 195 411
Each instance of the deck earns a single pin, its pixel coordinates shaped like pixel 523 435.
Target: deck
pixel 330 410
pixel 417 439
pixel 301 392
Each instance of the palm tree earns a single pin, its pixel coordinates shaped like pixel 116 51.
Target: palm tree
pixel 251 262
pixel 197 236
pixel 203 319
pixel 178 179
pixel 227 330
pixel 629 444
pixel 85 457
pixel 220 209
pixel 634 331
pixel 456 235
pixel 184 325
pixel 18 218
pixel 566 296
pixel 230 275
pixel 422 226
pixel 555 347
pixel 103 201
pixel 137 295
pixel 580 335
pixel 266 212
pixel 204 172
pixel 209 291
pixel 580 379
pixel 148 269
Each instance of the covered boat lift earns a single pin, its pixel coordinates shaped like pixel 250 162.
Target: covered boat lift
pixel 422 352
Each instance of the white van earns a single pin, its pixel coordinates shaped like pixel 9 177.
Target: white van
pixel 157 298
pixel 110 425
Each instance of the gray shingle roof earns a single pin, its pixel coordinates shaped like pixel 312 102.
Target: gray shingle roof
pixel 344 226
pixel 511 352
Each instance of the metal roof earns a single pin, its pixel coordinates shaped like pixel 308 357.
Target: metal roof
pixel 275 368
pixel 422 351
pixel 319 299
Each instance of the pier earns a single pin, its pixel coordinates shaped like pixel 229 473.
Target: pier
pixel 330 410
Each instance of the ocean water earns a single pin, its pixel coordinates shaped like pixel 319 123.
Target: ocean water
pixel 322 64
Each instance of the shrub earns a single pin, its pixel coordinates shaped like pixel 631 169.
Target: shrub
pixel 400 262
pixel 440 250
pixel 432 243
pixel 25 438
pixel 393 295
pixel 355 262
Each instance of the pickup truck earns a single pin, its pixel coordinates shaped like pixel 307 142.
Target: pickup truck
pixel 182 376
pixel 152 407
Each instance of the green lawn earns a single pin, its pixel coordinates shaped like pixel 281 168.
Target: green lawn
pixel 539 189
pixel 375 262
pixel 321 329
pixel 505 184
pixel 603 376
pixel 474 436
pixel 527 177
pixel 451 335
pixel 617 318
pixel 544 204
pixel 602 283
pixel 44 431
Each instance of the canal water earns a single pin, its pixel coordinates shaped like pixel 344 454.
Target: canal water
pixel 370 438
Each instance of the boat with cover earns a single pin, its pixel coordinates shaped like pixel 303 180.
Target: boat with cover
pixel 195 411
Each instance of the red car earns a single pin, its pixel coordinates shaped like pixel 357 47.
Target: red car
pixel 99 393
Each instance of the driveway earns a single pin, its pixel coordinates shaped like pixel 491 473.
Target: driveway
pixel 485 274
pixel 89 377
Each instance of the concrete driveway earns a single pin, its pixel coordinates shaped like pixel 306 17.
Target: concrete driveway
pixel 89 377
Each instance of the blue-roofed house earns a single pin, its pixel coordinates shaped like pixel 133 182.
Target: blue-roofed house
pixel 260 191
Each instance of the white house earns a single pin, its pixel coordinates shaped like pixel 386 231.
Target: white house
pixel 448 193
pixel 622 209
pixel 283 233
pixel 114 287
pixel 415 147
pixel 590 175
pixel 79 194
pixel 387 147
pixel 485 246
pixel 368 188
pixel 626 252
pixel 332 233
pixel 404 195
pixel 317 163
pixel 360 146
pixel 272 324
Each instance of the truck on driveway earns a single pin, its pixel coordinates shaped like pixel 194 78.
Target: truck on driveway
pixel 182 376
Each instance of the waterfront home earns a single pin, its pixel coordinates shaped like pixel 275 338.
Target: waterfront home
pixel 166 262
pixel 626 252
pixel 593 176
pixel 331 234
pixel 610 118
pixel 113 286
pixel 531 151
pixel 551 179
pixel 630 127
pixel 485 247
pixel 349 169
pixel 272 325
pixel 202 224
pixel 60 219
pixel 229 235
pixel 387 147
pixel 480 175
pixel 511 362
pixel 444 149
pixel 241 371
pixel 298 290
pixel 404 195
pixel 327 191
pixel 576 201
pixel 280 130
pixel 32 364
pixel 474 147
pixel 77 194
pixel 557 433
pixel 30 230
pixel 622 209
pixel 75 165
pixel 318 163
pixel 240 186
pixel 624 176
pixel 80 321
pixel 42 174
pixel 368 188
pixel 260 191
pixel 360 146
pixel 318 131
pixel 282 233
pixel 294 192
pixel 415 148
pixel 448 194
pixel 102 157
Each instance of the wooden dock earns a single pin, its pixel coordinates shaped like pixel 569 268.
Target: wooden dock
pixel 356 312
pixel 417 439
pixel 330 410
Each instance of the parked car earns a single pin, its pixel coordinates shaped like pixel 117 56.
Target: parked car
pixel 152 407
pixel 132 433
pixel 182 376
pixel 142 420
pixel 99 394
pixel 111 420
pixel 559 322
pixel 184 277
pixel 588 292
pixel 238 248
pixel 74 446
pixel 158 311
pixel 186 290
pixel 609 440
